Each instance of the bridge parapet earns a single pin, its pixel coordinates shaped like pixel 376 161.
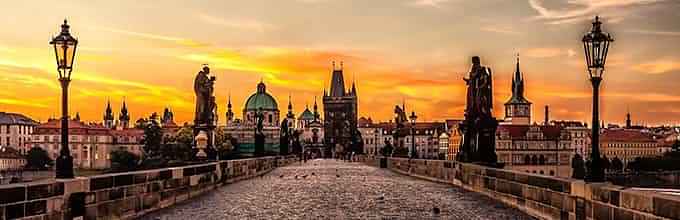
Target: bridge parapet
pixel 126 195
pixel 544 197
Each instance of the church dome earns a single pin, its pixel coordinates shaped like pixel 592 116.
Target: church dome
pixel 261 99
pixel 306 115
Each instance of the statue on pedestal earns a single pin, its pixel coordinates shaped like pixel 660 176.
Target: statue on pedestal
pixel 479 126
pixel 205 117
pixel 259 133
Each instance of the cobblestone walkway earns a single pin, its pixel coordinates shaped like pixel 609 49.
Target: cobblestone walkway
pixel 329 189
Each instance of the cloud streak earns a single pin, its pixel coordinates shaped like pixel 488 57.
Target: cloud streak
pixel 658 66
pixel 580 10
pixel 149 36
pixel 240 24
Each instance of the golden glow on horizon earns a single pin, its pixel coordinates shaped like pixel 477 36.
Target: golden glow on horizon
pixel 148 55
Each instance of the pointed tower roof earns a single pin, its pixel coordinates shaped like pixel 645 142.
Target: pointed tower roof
pixel 229 102
pixel 354 89
pixel 124 114
pixel 518 87
pixel 108 114
pixel 290 108
pixel 337 82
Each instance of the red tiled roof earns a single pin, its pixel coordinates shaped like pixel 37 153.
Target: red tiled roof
pixel 520 131
pixel 626 135
pixel 364 122
pixel 74 127
pixel 128 132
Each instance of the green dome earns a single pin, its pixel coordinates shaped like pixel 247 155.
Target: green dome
pixel 261 99
pixel 306 115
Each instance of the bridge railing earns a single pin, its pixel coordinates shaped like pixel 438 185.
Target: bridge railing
pixel 541 196
pixel 125 195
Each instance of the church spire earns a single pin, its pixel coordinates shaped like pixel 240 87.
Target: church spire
pixel 290 108
pixel 354 89
pixel 108 115
pixel 230 114
pixel 518 86
pixel 316 110
pixel 628 121
pixel 124 117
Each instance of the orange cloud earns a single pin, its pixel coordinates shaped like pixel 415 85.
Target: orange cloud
pixel 658 66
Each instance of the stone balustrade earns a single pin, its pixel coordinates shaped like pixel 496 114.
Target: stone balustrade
pixel 125 195
pixel 544 197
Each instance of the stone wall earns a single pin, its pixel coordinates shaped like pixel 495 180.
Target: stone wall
pixel 662 179
pixel 542 196
pixel 125 195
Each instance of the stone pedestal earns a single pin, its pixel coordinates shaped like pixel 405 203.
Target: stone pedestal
pixel 201 144
pixel 479 144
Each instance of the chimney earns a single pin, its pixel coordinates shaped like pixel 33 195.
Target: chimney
pixel 547 111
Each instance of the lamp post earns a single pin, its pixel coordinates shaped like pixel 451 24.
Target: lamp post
pixel 375 143
pixel 65 53
pixel 413 118
pixel 596 45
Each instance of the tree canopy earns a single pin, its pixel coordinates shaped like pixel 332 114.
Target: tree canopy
pixel 38 158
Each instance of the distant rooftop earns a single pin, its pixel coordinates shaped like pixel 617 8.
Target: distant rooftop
pixel 7 118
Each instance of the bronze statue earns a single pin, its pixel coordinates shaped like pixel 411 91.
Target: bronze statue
pixel 260 121
pixel 205 104
pixel 479 90
pixel 479 126
pixel 205 117
pixel 400 117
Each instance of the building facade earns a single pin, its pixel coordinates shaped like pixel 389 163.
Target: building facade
pixel 372 135
pixel 427 137
pixel 310 126
pixel 340 116
pixel 11 159
pixel 628 144
pixel 15 131
pixel 455 138
pixel 90 144
pixel 540 149
pixel 244 130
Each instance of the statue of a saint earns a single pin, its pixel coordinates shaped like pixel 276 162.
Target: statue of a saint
pixel 479 91
pixel 399 117
pixel 203 88
pixel 260 121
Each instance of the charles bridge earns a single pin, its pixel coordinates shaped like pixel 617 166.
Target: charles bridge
pixel 283 187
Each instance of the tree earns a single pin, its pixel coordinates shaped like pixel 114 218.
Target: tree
pixel 606 164
pixel 386 151
pixel 141 123
pixel 153 137
pixel 400 152
pixel 178 147
pixel 122 160
pixel 38 158
pixel 617 164
pixel 676 146
pixel 577 165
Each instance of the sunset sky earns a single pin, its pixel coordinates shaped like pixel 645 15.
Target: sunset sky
pixel 148 52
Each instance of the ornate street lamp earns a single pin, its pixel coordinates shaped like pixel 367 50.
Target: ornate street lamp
pixel 65 52
pixel 375 143
pixel 413 118
pixel 596 46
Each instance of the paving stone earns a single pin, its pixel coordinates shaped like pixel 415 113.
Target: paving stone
pixel 338 190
